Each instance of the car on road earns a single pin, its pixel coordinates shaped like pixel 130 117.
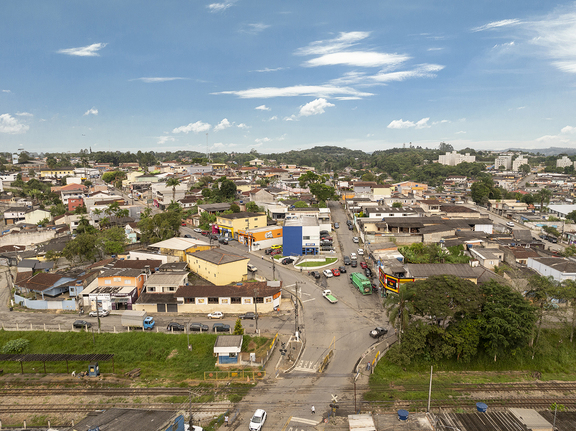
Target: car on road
pixel 360 252
pixel 509 224
pixel 183 223
pixel 199 327
pixel 346 260
pixel 81 324
pixel 205 233
pixel 324 232
pixel 342 269
pixel 353 256
pixel 101 313
pixel 251 268
pixel 130 196
pixel 197 230
pixel 335 272
pixel 175 326
pixel 336 225
pixel 257 421
pixel 216 315
pixel 315 274
pixel 349 222
pixel 327 273
pixel 249 315
pixel 287 260
pixel 363 265
pixel 355 240
pixel 350 227
pixel 187 236
pixel 268 251
pixel 378 332
pixel 276 246
pixel 368 272
pixel 354 264
pixel 220 327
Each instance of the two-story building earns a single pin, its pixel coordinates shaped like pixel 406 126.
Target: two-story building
pixel 230 224
pixel 50 173
pixel 218 266
pixel 15 215
pixel 115 289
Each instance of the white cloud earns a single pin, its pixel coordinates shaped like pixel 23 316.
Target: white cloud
pixel 6 91
pixel 84 51
pixel 348 98
pixel 255 28
pixel 24 114
pixel 196 127
pixel 267 69
pixel 224 124
pixel 296 90
pixel 401 124
pixel 315 107
pixel 92 111
pixel 163 139
pixel 242 126
pixel 11 125
pixel 461 132
pixel 263 108
pixel 222 145
pixel 220 7
pixel 358 58
pixel 421 71
pixel 273 118
pixel 323 47
pixel 568 129
pixel 434 49
pixel 440 122
pixel 150 80
pixel 262 140
pixel 497 24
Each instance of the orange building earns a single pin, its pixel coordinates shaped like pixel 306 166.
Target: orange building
pixel 261 238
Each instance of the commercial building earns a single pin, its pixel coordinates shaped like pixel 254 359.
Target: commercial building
pixel 454 158
pixel 261 238
pixel 301 236
pixel 230 224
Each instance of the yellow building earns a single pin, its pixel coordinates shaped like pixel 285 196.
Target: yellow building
pixel 179 247
pixel 218 266
pixel 57 172
pixel 131 177
pixel 232 223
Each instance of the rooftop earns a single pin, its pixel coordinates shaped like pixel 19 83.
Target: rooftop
pixel 178 243
pixel 218 256
pixel 422 270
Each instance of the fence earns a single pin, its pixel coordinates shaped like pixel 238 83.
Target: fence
pixel 234 375
pixel 41 304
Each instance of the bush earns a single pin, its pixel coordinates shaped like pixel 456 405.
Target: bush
pixel 15 346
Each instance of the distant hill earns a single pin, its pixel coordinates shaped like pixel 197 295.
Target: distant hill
pixel 552 151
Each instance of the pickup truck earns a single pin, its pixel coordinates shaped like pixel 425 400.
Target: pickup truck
pixel 252 268
pixel 328 295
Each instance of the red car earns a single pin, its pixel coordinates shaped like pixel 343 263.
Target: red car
pixel 363 265
pixel 335 272
pixel 275 252
pixel 183 223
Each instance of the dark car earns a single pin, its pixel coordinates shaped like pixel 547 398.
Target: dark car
pixel 315 274
pixel 350 227
pixel 268 251
pixel 378 332
pixel 347 260
pixel 175 326
pixel 349 222
pixel 326 243
pixel 354 263
pixel 324 232
pixel 336 225
pixel 187 236
pixel 326 238
pixel 287 260
pixel 199 327
pixel 342 269
pixel 249 315
pixel 368 272
pixel 214 236
pixel 223 241
pixel 220 327
pixel 81 324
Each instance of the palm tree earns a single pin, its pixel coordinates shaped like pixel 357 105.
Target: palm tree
pixel 173 182
pixel 543 196
pixel 399 308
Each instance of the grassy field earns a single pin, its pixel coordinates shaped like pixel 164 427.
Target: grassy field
pixel 164 359
pixel 327 261
pixel 555 359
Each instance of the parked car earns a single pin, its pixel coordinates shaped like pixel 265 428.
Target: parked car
pixel 187 236
pixel 197 230
pixel 355 240
pixel 214 237
pixel 276 246
pixel 350 227
pixel 324 232
pixel 349 222
pixel 363 265
pixel 378 332
pixel 335 272
pixel 205 233
pixel 101 313
pixel 287 260
pixel 249 315
pixel 315 274
pixel 257 420
pixel 368 272
pixel 354 264
pixel 81 324
pixel 342 269
pixel 268 251
pixel 220 327
pixel 326 238
pixel 336 225
pixel 175 326
pixel 216 315
pixel 346 260
pixel 183 223
pixel 223 241
pixel 327 273
pixel 199 327
pixel 360 252
pixel 275 252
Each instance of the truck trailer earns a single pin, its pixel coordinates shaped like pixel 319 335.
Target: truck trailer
pixel 137 319
pixel 328 295
pixel 361 282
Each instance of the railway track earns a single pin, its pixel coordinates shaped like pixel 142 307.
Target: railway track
pixel 25 392
pixel 497 387
pixel 67 408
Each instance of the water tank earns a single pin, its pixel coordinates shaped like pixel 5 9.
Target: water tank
pixel 481 407
pixel 403 415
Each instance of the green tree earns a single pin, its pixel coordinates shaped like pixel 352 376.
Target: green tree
pixel 58 210
pixel 525 169
pixel 397 205
pixel 235 208
pixel 227 189
pixel 238 329
pixel 252 207
pixel 300 204
pixel 399 308
pixel 540 291
pixel 543 196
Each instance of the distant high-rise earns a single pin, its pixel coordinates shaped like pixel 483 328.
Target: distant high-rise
pixel 520 160
pixel 454 158
pixel 563 162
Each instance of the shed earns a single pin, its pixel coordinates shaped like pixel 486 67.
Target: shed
pixel 227 348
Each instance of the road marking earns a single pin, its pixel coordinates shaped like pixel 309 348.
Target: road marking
pixel 286 424
pixel 305 421
pixel 308 300
pixel 306 366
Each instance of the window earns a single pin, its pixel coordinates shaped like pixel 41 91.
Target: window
pixel 189 300
pixel 259 300
pixel 235 300
pixel 213 301
pixel 306 237
pixel 171 289
pixel 127 281
pixel 107 281
pixel 117 278
pixel 151 289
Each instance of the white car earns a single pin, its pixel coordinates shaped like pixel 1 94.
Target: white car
pixel 355 240
pixel 509 224
pixel 257 420
pixel 327 273
pixel 197 230
pixel 360 252
pixel 101 313
pixel 353 256
pixel 216 315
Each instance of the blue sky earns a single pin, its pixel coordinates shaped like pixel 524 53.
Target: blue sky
pixel 276 76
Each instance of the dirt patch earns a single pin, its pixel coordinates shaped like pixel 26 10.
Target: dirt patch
pixel 172 354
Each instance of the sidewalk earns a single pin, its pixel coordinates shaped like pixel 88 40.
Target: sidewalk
pixel 369 360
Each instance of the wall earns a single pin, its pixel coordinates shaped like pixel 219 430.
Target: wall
pixel 218 274
pixel 27 238
pixel 38 304
pixel 292 240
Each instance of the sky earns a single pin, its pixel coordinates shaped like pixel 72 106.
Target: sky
pixel 273 76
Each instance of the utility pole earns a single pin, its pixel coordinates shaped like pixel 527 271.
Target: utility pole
pixel 191 419
pixel 273 267
pixel 296 310
pixel 256 308
pixel 430 389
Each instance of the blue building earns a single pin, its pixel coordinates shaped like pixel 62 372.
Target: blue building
pixel 301 236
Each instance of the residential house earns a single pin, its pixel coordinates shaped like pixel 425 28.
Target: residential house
pixel 179 247
pixel 488 257
pixel 50 173
pixel 37 215
pixel 15 215
pixel 115 289
pixel 46 284
pixel 218 266
pixel 213 208
pixel 166 281
pixel 559 268
pixel 424 270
